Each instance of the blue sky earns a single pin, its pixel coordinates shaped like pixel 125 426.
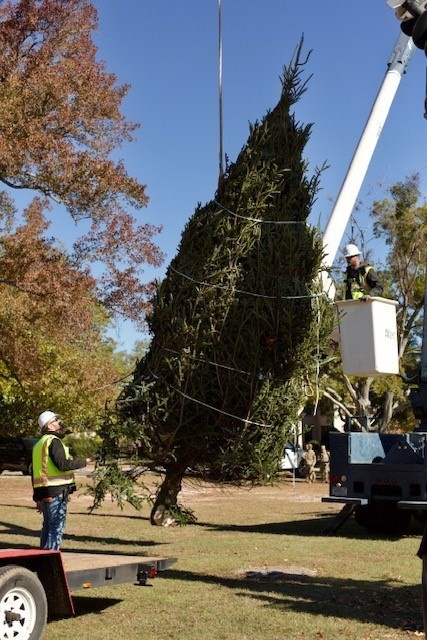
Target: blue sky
pixel 167 50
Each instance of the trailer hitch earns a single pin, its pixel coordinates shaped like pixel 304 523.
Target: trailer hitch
pixel 143 574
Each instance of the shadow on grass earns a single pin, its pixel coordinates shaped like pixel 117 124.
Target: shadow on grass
pixel 86 604
pixel 84 513
pixel 120 515
pixel 314 526
pixel 9 528
pixel 379 602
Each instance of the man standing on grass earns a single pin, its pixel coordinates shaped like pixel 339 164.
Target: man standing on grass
pixel 309 462
pixel 324 458
pixel 53 479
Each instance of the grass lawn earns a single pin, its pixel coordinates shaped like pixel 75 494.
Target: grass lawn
pixel 255 566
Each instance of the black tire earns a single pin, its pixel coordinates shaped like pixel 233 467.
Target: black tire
pixel 23 604
pixel 383 517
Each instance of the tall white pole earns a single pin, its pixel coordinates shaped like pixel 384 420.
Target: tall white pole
pixel 221 153
pixel 341 212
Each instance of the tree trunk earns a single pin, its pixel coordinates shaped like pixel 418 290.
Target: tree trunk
pixel 387 412
pixel 166 502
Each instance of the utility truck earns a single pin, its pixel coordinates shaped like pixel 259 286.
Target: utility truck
pixel 381 478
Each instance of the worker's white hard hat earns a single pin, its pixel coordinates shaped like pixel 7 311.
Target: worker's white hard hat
pixel 351 250
pixel 45 418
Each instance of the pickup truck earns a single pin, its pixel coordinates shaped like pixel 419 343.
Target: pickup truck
pixel 16 454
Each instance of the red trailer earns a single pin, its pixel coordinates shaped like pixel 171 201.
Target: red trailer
pixel 35 584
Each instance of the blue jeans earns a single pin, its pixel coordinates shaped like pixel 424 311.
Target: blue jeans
pixel 54 516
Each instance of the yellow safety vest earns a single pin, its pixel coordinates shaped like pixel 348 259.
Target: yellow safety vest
pixel 358 289
pixel 45 473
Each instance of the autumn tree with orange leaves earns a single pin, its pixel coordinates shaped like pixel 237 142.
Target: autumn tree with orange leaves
pixel 60 121
pixel 53 349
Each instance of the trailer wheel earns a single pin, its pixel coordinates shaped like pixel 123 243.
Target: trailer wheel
pixel 383 517
pixel 23 604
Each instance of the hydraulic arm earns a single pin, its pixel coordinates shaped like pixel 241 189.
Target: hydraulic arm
pixel 413 16
pixel 396 67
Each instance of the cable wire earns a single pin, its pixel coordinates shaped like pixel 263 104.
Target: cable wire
pixel 237 215
pixel 209 406
pixel 247 293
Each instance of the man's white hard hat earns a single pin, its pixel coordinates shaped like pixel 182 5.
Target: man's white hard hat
pixel 45 417
pixel 351 250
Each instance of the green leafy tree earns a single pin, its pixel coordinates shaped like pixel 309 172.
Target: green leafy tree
pixel 237 322
pixel 401 220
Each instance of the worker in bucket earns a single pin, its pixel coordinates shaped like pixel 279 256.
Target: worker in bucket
pixel 53 478
pixel 361 282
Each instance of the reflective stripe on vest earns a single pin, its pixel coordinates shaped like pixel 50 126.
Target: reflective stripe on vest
pixel 45 473
pixel 357 290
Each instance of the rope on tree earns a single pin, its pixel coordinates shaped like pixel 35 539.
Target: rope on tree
pixel 209 406
pixel 247 293
pixel 237 215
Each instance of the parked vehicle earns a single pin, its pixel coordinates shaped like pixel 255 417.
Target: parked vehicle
pixel 291 457
pixel 16 454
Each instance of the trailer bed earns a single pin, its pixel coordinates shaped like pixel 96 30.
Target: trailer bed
pixel 85 570
pixel 61 573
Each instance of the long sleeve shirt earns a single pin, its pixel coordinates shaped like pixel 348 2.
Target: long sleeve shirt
pixel 367 279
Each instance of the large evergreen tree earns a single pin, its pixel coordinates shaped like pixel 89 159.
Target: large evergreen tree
pixel 236 322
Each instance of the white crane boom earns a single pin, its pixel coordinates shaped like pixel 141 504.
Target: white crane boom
pixel 341 212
